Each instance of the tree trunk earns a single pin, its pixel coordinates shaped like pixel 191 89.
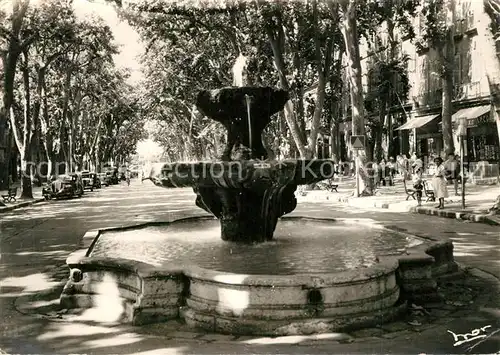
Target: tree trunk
pixel 26 171
pixel 47 138
pixel 334 130
pixel 448 144
pixel 9 62
pixel 14 157
pixel 351 39
pixel 336 88
pixel 8 96
pixel 36 113
pixel 25 146
pixel 448 64
pixel 94 147
pixel 389 7
pixel 51 160
pixel 64 116
pixel 299 97
pixel 323 74
pixel 97 161
pixel 378 150
pixel 280 66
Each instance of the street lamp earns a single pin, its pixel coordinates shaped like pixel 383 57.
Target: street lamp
pixel 462 133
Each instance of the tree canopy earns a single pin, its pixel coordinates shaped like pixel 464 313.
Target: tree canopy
pixel 69 106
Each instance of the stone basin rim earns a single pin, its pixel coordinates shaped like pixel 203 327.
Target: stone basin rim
pixel 80 259
pixel 125 227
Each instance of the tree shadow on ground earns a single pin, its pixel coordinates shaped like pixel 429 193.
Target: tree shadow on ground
pixel 49 329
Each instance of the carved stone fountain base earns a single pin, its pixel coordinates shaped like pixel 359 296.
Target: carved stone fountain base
pixel 248 197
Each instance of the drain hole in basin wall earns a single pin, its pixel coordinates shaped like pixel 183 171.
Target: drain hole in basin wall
pixel 186 291
pixel 314 297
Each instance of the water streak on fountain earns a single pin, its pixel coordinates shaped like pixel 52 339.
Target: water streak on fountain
pixel 248 100
pixel 238 67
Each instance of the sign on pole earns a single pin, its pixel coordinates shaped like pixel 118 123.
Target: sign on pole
pixel 358 142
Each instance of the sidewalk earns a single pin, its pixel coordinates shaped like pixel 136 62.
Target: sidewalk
pixel 478 200
pixel 37 197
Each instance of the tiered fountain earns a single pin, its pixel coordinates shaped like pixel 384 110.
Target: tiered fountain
pixel 245 191
pixel 316 276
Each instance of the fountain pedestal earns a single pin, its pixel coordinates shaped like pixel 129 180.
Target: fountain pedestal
pixel 245 191
pixel 247 215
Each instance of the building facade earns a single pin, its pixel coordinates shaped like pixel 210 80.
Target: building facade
pixel 471 97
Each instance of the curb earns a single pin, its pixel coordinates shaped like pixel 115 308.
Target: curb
pixel 21 204
pixel 467 216
pixel 473 217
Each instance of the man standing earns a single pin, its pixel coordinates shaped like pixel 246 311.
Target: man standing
pixel 127 176
pixel 452 171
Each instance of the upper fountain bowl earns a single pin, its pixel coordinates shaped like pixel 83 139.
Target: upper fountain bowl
pixel 229 103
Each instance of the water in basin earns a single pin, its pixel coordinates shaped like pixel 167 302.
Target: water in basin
pixel 299 246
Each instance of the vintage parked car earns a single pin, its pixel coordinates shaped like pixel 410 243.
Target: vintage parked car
pixel 90 180
pixel 61 186
pixel 97 181
pixel 113 176
pixel 104 179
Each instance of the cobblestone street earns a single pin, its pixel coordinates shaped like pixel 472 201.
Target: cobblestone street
pixel 36 240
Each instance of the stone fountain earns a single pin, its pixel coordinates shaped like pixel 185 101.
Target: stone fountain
pixel 246 191
pixel 317 275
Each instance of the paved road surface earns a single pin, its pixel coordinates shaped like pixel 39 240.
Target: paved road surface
pixel 35 242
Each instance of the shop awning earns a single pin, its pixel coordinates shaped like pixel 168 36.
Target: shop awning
pixel 417 122
pixel 471 113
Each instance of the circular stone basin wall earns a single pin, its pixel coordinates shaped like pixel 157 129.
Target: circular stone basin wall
pixel 317 275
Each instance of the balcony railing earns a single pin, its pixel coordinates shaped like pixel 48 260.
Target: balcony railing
pixel 460 92
pixel 468 91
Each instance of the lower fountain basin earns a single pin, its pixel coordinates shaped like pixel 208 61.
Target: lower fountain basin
pixel 300 245
pixel 310 279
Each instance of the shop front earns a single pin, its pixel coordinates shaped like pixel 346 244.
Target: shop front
pixel 482 135
pixel 423 135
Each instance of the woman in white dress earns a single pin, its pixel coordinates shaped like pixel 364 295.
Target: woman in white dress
pixel 439 182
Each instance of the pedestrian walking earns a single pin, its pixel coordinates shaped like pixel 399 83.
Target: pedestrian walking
pixel 383 171
pixel 127 177
pixel 439 182
pixel 391 165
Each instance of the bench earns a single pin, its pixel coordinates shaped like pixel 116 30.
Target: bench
pixel 329 185
pixel 429 193
pixel 11 195
pixel 409 192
